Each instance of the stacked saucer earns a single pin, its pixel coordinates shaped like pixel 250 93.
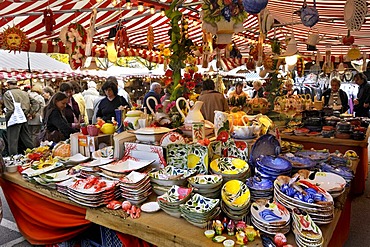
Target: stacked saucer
pixel 199 210
pixel 230 168
pixel 306 232
pixel 235 199
pixel 207 185
pixel 260 188
pixel 270 167
pixel 135 187
pixel 305 196
pixel 270 217
pixel 163 179
pixel 171 200
pixel 93 191
pixel 331 182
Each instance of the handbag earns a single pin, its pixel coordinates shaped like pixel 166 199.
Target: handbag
pixel 47 135
pixel 18 116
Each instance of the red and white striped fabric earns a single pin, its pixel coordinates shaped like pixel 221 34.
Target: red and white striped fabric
pixel 27 14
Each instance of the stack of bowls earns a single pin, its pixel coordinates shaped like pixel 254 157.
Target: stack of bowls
pixel 300 162
pixel 165 178
pixel 260 188
pixel 171 200
pixel 230 168
pixel 135 187
pixel 270 167
pixel 316 156
pixel 207 185
pixel 199 210
pixel 270 217
pixel 235 199
pixel 306 232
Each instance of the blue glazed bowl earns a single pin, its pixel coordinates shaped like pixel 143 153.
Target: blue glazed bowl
pixel 273 164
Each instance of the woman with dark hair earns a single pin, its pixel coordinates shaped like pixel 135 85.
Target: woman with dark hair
pixel 111 102
pixel 47 93
pixel 56 124
pixel 361 103
pixel 72 109
pixel 212 100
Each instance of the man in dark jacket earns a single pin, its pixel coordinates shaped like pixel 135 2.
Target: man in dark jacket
pixel 361 104
pixel 155 91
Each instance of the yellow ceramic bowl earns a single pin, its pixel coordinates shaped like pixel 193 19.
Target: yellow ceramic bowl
pixel 108 128
pixel 209 233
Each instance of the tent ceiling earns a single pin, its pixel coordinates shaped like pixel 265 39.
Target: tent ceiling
pixel 28 15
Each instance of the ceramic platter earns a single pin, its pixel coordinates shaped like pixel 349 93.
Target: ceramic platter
pixel 75 159
pixel 30 172
pixel 126 166
pixel 342 171
pixel 317 156
pixel 205 181
pixel 56 176
pixel 300 162
pixel 270 213
pixel 306 232
pixel 150 207
pixel 106 152
pixel 97 162
pixel 235 194
pixel 172 138
pixel 229 166
pixel 328 181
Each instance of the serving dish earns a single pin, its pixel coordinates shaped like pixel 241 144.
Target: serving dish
pixel 150 134
pixel 126 166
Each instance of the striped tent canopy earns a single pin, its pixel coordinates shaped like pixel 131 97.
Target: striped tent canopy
pixel 28 15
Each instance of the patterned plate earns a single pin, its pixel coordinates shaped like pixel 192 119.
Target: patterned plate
pixel 200 204
pixel 229 165
pixel 235 194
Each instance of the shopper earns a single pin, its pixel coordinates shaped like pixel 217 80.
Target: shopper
pixel 122 92
pixel 258 89
pixel 361 103
pixel 47 93
pixel 238 91
pixel 56 126
pixel 19 107
pixel 111 102
pixel 90 95
pixel 35 123
pixel 79 98
pixel 212 100
pixel 335 97
pixel 155 91
pixel 72 110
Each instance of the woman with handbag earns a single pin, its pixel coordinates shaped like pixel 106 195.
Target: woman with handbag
pixel 56 127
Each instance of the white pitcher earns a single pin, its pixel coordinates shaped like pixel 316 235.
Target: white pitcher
pixel 194 114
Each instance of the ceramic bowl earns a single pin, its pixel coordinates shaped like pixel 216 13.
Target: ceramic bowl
pixel 12 168
pixel 151 134
pixel 235 194
pixel 229 243
pixel 229 166
pixel 209 233
pixel 205 181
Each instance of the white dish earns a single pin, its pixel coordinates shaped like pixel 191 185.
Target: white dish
pixel 150 207
pixel 31 172
pixel 98 162
pixel 328 181
pixel 56 176
pixel 152 130
pixel 126 166
pixel 75 159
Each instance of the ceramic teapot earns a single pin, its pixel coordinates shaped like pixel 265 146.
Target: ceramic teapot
pixel 194 113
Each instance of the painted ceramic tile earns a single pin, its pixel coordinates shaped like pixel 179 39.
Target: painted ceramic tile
pixel 176 154
pixel 198 158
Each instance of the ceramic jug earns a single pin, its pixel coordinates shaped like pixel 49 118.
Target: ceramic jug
pixel 313 39
pixel 222 120
pixel 157 115
pixel 194 114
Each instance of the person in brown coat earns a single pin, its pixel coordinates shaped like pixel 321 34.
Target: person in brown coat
pixel 213 100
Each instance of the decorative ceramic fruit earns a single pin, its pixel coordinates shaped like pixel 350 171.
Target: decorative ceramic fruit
pixel 348 40
pixel 280 240
pixel 62 150
pixel 108 128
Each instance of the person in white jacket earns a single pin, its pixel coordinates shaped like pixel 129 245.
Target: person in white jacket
pixel 90 95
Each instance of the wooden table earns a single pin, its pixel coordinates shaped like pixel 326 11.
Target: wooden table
pixel 164 230
pixel 333 144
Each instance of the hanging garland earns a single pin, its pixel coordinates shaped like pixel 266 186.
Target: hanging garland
pixel 14 39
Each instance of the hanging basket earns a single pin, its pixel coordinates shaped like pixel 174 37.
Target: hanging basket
pixel 354 14
pixel 309 15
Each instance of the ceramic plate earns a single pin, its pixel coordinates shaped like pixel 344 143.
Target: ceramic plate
pixel 172 138
pixel 235 194
pixel 133 178
pixel 75 159
pixel 150 207
pixel 97 162
pixel 200 204
pixel 270 212
pixel 229 166
pixel 30 172
pixel 56 176
pixel 126 166
pixel 152 130
pixel 266 145
pixel 92 185
pixel 273 163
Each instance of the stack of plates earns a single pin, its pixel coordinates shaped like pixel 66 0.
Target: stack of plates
pixel 260 188
pixel 343 171
pixel 332 183
pixel 207 185
pixel 163 179
pixel 270 217
pixel 300 162
pixel 317 202
pixel 122 167
pixel 231 168
pixel 93 191
pixel 50 179
pixel 317 156
pixel 135 187
pixel 270 167
pixel 306 232
pixel 171 200
pixel 235 199
pixel 199 210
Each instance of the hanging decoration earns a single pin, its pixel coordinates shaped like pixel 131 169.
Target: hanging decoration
pixel 348 40
pixel 353 53
pixel 121 40
pixel 74 36
pixel 253 7
pixel 265 21
pixel 207 48
pixel 223 18
pixel 150 38
pixel 91 32
pixel 309 15
pixel 14 39
pixel 48 21
pixel 355 14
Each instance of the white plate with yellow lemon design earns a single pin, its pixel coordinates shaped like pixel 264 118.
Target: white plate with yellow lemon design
pixel 229 166
pixel 235 194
